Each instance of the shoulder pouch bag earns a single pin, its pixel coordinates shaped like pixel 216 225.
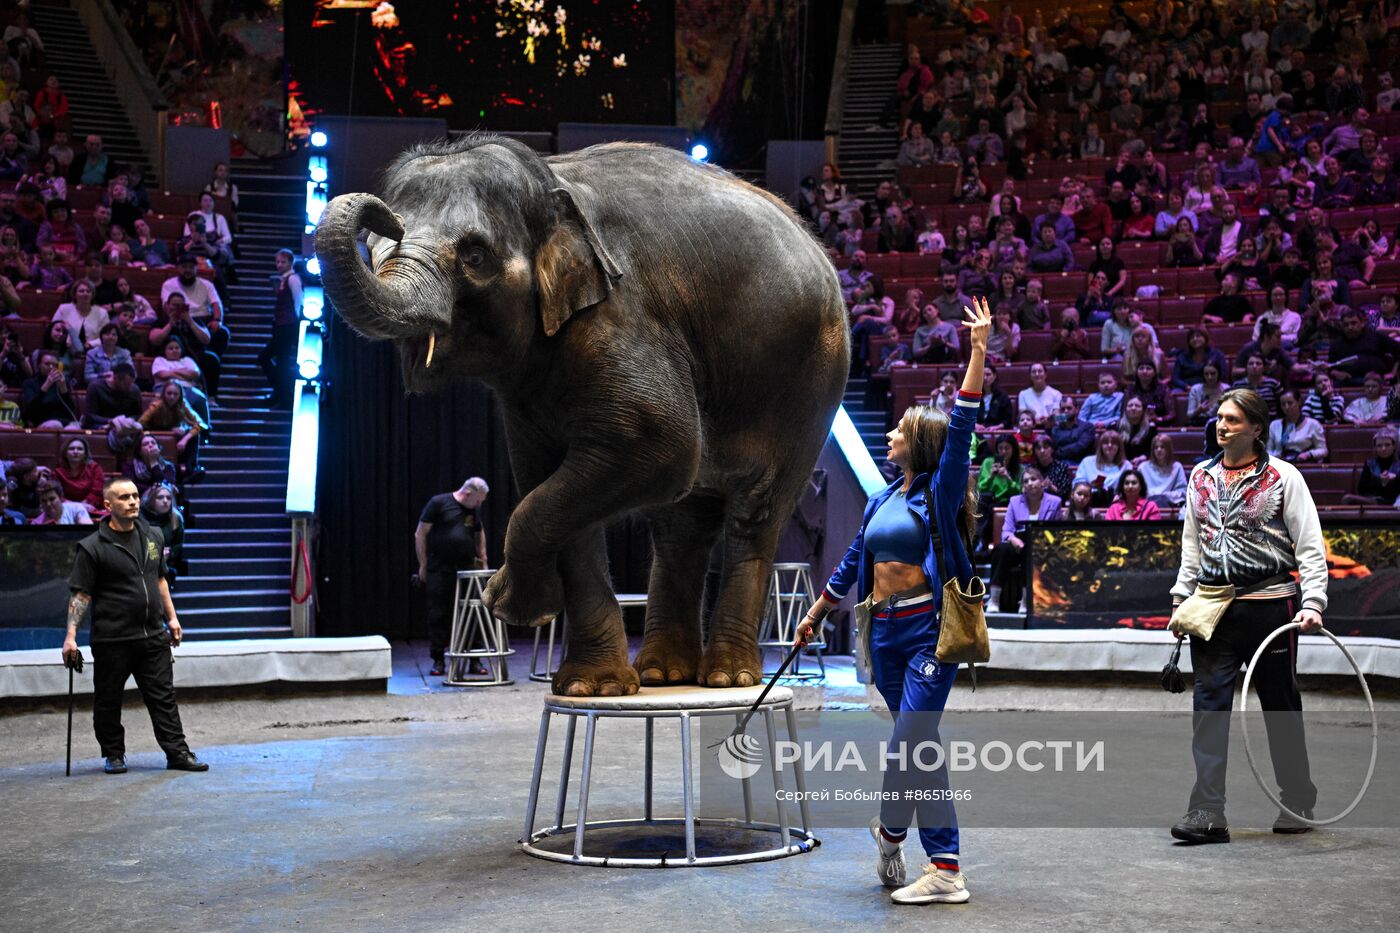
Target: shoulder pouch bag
pixel 962 631
pixel 1202 611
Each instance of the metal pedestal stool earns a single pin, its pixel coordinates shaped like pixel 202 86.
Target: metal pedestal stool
pixel 476 634
pixel 542 669
pixel 790 595
pixel 650 704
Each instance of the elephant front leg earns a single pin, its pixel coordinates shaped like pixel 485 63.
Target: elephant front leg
pixel 595 653
pixel 682 537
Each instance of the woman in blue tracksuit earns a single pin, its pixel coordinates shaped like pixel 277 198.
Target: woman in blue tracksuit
pixel 892 560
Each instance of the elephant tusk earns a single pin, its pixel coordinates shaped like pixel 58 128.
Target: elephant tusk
pixel 432 342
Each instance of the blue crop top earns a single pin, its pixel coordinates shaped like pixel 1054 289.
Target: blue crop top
pixel 895 533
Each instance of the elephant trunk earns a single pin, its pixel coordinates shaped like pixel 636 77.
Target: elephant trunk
pixel 387 305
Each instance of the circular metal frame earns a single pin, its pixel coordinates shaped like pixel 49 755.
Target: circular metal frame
pixel 1249 752
pixel 805 842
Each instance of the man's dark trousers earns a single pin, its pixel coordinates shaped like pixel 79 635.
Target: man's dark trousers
pixel 1216 666
pixel 149 661
pixel 441 587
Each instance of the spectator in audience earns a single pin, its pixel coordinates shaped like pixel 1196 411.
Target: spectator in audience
pixel 9 516
pixel 1093 221
pixel 104 290
pixel 146 248
pixel 907 317
pixel 1254 378
pixel 201 298
pixel 1071 340
pixel 996 410
pixel 115 395
pixel 1360 349
pixel 1034 311
pixel 222 186
pixel 1323 402
pixel 15 368
pixel 1238 170
pixel 1131 504
pixel 1049 254
pixel 1004 342
pixel 1142 348
pixel 1106 260
pixel 128 337
pixel 141 309
pixel 46 274
pixel 170 412
pixel 951 300
pixel 1269 346
pixel 894 353
pixel 94 167
pixel 1058 472
pixel 1032 503
pixel 25 478
pixel 1225 242
pixel 83 318
pixel 1060 222
pixel 1136 429
pixel 60 232
pixel 1006 248
pixel 1370 406
pixel 51 108
pixel 1040 398
pixel 997 481
pixel 1378 186
pixel 1281 316
pixel 150 468
pixel 1229 307
pixel 1346 136
pixel 80 477
pixel 159 510
pixel 1333 190
pixel 917 149
pixel 216 226
pixel 53 510
pixel 1139 223
pixel 177 322
pixel 1247 266
pixel 1117 333
pixel 1148 387
pixel 1189 362
pixel 1101 468
pixel 1294 436
pixel 1079 507
pixel 172 365
pixel 1183 250
pixel 936 340
pixel 1104 408
pixel 1163 474
pixel 968 186
pixel 985 146
pixel 853 278
pixel 101 359
pixel 947 393
pixel 55 341
pixel 1378 483
pixel 46 398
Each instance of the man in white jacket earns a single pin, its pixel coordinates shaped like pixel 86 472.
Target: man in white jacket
pixel 1250 522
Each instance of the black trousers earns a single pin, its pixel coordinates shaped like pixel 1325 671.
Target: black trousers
pixel 1008 573
pixel 439 588
pixel 278 363
pixel 149 661
pixel 1216 666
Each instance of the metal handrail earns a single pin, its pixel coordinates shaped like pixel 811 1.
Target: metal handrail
pixel 836 100
pixel 130 76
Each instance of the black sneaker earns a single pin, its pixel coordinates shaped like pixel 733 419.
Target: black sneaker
pixel 439 669
pixel 115 764
pixel 1290 824
pixel 1201 826
pixel 185 762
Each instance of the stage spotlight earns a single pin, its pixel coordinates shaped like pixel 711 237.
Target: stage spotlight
pixel 309 370
pixel 319 139
pixel 313 303
pixel 699 152
pixel 313 266
pixel 317 169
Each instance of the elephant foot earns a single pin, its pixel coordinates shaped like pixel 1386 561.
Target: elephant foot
pixel 584 679
pixel 530 599
pixel 731 667
pixel 660 663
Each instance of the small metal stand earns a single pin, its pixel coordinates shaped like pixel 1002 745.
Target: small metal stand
pixel 545 674
pixel 790 595
pixel 650 704
pixel 476 635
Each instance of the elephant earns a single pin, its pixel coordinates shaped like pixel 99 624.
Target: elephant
pixel 663 338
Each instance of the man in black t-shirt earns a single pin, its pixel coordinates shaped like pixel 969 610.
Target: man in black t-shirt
pixel 119 572
pixel 449 538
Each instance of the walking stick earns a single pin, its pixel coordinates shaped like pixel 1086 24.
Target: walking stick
pixel 75 665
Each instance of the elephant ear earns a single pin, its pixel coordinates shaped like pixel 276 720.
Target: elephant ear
pixel 572 269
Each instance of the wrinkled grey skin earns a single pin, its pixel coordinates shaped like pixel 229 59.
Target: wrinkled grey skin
pixel 663 337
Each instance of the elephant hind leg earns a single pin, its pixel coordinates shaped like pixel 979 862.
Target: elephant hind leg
pixel 682 537
pixel 754 518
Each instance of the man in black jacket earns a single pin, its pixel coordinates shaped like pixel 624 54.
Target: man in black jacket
pixel 120 573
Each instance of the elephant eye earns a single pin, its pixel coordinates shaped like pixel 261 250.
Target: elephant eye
pixel 475 257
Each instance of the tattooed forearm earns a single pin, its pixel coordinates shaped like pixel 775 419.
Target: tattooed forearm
pixel 77 608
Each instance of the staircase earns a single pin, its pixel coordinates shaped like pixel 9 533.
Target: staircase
pixel 239 545
pixel 867 150
pixel 869 421
pixel 93 104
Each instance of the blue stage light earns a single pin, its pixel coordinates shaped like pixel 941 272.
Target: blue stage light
pixel 319 139
pixel 699 152
pixel 313 266
pixel 317 169
pixel 309 370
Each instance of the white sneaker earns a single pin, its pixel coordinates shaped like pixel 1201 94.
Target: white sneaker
pixel 936 886
pixel 890 866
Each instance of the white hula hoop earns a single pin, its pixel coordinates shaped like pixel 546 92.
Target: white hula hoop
pixel 1249 752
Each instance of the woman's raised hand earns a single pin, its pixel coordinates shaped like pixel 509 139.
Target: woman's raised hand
pixel 978 320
